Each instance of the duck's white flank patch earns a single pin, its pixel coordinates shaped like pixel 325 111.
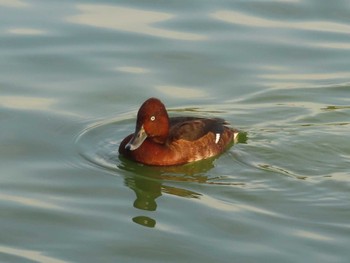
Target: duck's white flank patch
pixel 217 137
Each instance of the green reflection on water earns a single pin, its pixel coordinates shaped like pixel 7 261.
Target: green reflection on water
pixel 149 183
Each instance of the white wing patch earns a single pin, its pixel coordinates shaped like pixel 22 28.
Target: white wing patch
pixel 217 137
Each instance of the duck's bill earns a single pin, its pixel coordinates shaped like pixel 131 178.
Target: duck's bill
pixel 139 137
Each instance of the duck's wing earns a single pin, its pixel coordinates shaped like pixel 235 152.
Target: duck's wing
pixel 191 128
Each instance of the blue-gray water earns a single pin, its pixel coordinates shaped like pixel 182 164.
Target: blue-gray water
pixel 72 76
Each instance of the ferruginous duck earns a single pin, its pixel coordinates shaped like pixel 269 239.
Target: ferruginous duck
pixel 163 141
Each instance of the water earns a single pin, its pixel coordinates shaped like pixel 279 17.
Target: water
pixel 72 76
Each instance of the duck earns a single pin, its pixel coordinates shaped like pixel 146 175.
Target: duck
pixel 162 141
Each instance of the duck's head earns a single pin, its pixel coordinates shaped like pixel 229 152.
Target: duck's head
pixel 152 122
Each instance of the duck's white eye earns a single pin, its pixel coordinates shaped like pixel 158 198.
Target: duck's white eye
pixel 153 118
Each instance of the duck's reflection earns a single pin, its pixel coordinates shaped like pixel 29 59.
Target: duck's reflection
pixel 144 221
pixel 149 183
pixel 147 191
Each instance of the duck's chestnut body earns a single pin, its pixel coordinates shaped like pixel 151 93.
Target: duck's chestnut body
pixel 160 140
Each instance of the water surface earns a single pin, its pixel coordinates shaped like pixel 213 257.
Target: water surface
pixel 72 76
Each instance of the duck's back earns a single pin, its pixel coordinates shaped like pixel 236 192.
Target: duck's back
pixel 192 128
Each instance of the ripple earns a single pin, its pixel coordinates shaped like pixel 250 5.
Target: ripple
pixel 182 92
pixel 26 31
pixel 26 103
pixel 308 77
pixel 133 70
pixel 130 20
pixel 334 45
pixel 239 18
pixel 32 255
pixel 13 3
pixel 279 170
pixel 28 201
pixel 99 143
pixel 313 235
